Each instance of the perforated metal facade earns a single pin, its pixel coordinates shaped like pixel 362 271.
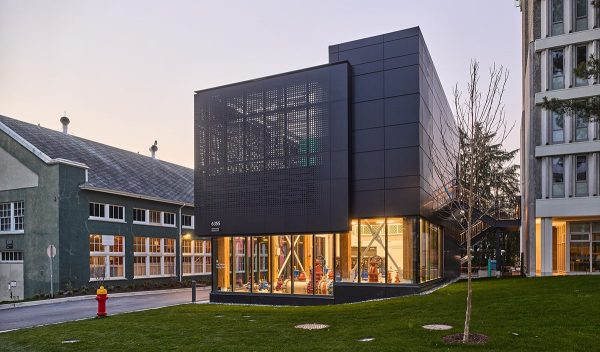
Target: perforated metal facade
pixel 272 154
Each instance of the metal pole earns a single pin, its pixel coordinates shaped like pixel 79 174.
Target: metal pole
pixel 193 291
pixel 51 278
pixel 180 246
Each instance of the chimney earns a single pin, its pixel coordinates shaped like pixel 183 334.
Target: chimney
pixel 153 149
pixel 65 123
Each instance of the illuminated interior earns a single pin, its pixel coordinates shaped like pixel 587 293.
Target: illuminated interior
pixel 375 251
pixel 575 246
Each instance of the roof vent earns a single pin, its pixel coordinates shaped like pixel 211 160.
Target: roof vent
pixel 65 123
pixel 153 149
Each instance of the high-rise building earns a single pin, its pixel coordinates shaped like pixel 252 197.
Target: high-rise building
pixel 560 154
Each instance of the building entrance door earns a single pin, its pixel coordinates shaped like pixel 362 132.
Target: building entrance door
pixel 11 281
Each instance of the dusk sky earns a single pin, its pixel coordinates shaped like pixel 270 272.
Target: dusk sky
pixel 126 71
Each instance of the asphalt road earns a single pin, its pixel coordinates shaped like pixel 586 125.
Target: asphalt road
pixel 22 317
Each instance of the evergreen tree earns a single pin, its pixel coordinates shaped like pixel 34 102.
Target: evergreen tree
pixel 498 176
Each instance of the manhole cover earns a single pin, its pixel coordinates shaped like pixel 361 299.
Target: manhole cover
pixel 437 327
pixel 70 341
pixel 366 339
pixel 312 326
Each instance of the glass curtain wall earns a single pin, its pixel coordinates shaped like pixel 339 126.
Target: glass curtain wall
pixel 378 251
pixel 286 264
pixel 399 263
pixel 375 251
pixel 584 244
pixel 431 251
pixel 372 251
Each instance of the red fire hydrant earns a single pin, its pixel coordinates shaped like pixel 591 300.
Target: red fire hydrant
pixel 101 297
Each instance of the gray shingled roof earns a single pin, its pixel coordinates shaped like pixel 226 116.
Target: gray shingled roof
pixel 111 168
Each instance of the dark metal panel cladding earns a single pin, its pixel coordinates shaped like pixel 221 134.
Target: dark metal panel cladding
pixel 396 96
pixel 265 152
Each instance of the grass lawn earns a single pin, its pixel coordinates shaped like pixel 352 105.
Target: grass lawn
pixel 542 314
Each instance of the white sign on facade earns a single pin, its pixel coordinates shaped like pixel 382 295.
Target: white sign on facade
pixel 108 240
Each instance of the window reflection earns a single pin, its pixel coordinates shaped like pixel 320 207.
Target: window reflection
pixel 558 177
pixel 558 74
pixel 431 238
pixel 581 15
pixel 557 15
pixel 558 128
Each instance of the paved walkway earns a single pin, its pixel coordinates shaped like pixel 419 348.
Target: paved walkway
pixel 83 308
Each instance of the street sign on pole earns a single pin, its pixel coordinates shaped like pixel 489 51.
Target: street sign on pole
pixel 51 252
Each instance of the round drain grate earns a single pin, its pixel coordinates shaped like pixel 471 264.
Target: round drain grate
pixel 70 341
pixel 312 326
pixel 437 327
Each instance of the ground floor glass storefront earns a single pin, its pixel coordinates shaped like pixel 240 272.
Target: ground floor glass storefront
pixel 575 246
pixel 390 251
pixel 584 249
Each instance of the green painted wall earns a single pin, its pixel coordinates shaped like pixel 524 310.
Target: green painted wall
pixel 40 220
pixel 75 229
pixel 56 212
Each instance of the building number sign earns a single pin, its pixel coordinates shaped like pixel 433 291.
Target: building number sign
pixel 215 226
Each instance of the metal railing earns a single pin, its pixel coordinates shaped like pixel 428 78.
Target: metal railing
pixel 478 227
pixel 453 197
pixel 503 207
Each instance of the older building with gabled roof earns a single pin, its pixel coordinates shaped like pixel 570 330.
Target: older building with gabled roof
pixel 113 216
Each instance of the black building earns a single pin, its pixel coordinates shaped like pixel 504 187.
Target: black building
pixel 316 185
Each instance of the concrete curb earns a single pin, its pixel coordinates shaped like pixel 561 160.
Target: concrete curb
pixel 90 318
pixel 92 297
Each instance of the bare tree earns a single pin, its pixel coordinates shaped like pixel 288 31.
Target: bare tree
pixel 461 162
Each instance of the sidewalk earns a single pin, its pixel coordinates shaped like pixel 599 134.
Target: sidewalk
pixel 55 311
pixel 90 297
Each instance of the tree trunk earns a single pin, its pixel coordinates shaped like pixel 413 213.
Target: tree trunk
pixel 469 269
